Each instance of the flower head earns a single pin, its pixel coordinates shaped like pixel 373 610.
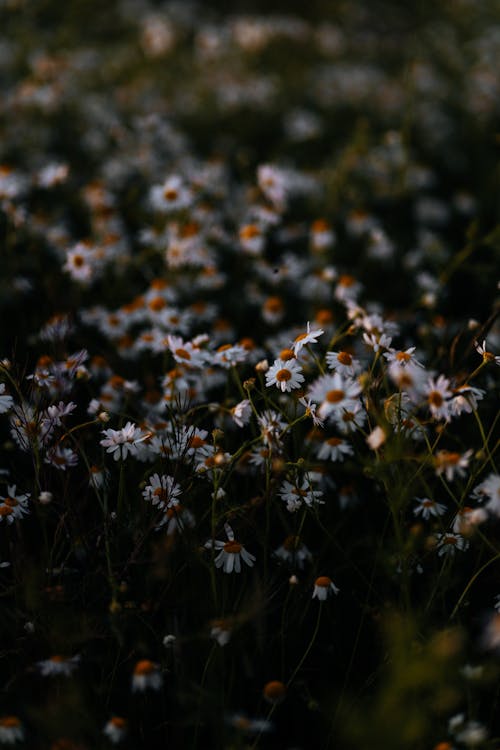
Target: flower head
pixel 230 553
pixel 285 375
pixel 323 587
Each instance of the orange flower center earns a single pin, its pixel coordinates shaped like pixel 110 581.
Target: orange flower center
pixel 333 397
pixel 232 548
pixel 274 691
pixel 344 358
pixel 283 375
pixel 287 354
pixel 9 721
pixel 145 666
pixel 323 582
pixel 403 357
pixel 157 304
pixel 435 398
pixel 182 353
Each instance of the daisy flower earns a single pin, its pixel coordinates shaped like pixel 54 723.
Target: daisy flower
pixel 146 675
pixel 309 337
pixel 452 464
pixel 172 196
pixel 6 401
pixel 334 449
pixel 14 506
pixel 402 358
pixel 310 408
pixel 271 426
pixel 293 552
pixel 11 730
pixel 230 553
pixel 465 399
pixel 467 519
pixel 241 413
pixel 377 341
pixel 61 458
pixel 323 587
pixel 162 491
pixel 176 518
pixel 486 355
pixel 81 263
pixel 221 631
pixel 438 394
pixel 58 665
pixel 449 542
pixel 425 507
pixel 115 729
pixel 252 239
pixel 122 442
pixel 335 394
pixel 251 726
pixel 343 362
pixel 285 375
pixel 294 495
pixel 489 489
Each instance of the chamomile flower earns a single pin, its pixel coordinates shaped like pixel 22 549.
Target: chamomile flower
pixel 334 449
pixel 115 729
pixel 449 542
pixel 285 375
pixel 295 494
pixel 343 362
pixel 122 442
pixel 14 506
pixel 241 413
pixel 230 553
pixel 438 395
pixel 309 337
pixel 11 730
pixel 451 463
pixel 293 552
pixel 425 507
pixel 465 399
pixel 489 489
pixel 310 408
pixel 6 401
pixel 146 676
pixel 172 196
pixel 243 723
pixel 486 355
pixel 402 358
pixel 221 631
pixel 162 491
pixel 58 665
pixel 271 426
pixel 323 587
pixel 335 394
pixel 176 519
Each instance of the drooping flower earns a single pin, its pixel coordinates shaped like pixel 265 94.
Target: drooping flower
pixel 323 587
pixel 230 553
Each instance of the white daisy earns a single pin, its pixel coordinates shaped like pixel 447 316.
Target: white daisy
pixel 285 375
pixel 230 553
